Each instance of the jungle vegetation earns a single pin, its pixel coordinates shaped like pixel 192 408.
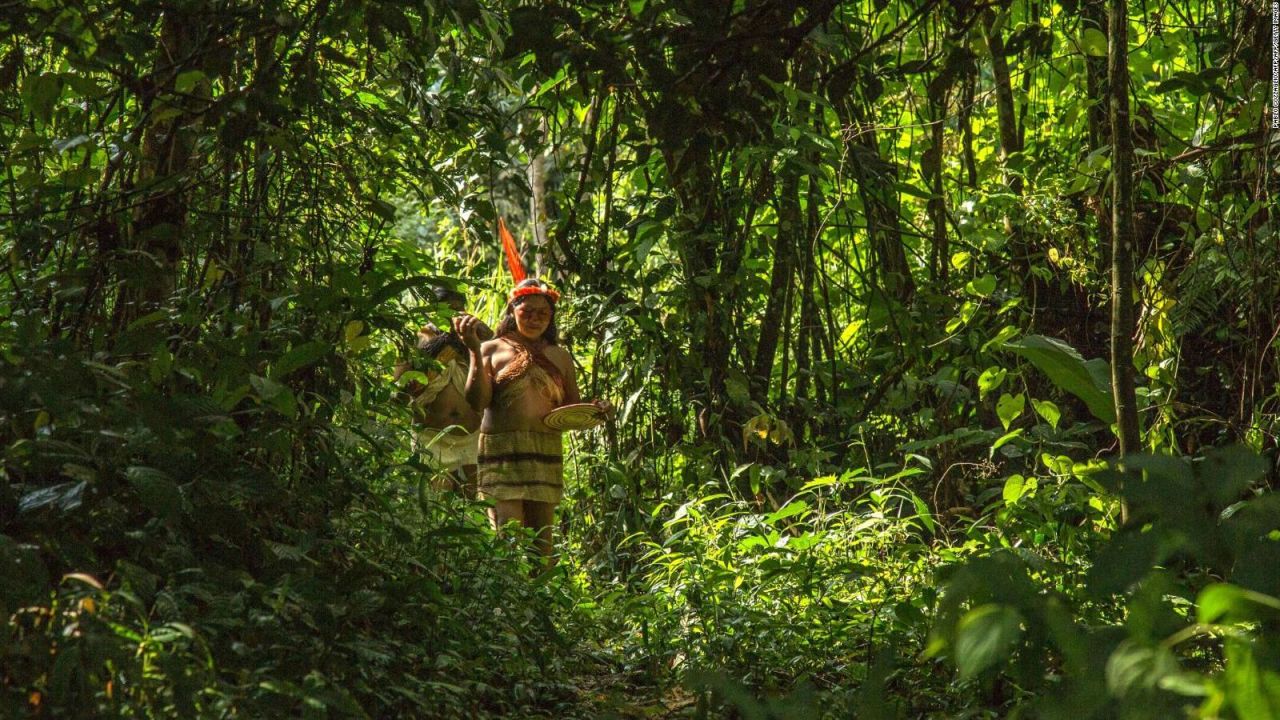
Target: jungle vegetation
pixel 943 335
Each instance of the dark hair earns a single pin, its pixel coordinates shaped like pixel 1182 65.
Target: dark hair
pixel 433 347
pixel 447 294
pixel 507 325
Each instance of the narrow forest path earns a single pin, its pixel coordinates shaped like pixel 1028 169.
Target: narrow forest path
pixel 617 696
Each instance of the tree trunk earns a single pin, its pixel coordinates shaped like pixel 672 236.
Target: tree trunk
pixel 538 203
pixel 880 205
pixel 939 92
pixel 804 326
pixel 966 111
pixel 784 244
pixel 699 229
pixel 1094 15
pixel 160 219
pixel 1010 138
pixel 789 234
pixel 1122 232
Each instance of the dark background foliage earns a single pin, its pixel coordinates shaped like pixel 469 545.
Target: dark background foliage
pixel 848 270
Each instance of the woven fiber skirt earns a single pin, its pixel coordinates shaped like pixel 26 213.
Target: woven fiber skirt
pixel 521 465
pixel 447 450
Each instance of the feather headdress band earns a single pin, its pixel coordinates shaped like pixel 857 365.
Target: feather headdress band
pixel 516 266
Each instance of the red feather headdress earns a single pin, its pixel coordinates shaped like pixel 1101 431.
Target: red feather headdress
pixel 514 263
pixel 516 266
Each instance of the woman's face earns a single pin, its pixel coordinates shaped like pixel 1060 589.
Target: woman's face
pixel 533 316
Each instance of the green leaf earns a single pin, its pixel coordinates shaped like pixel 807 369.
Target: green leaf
pixel 1008 332
pixel 982 286
pixel 850 332
pixel 1004 440
pixel 990 379
pixel 1161 484
pixel 1047 410
pixel 790 509
pixel 1125 560
pixel 967 310
pixel 922 512
pixel 1087 380
pixel 818 482
pixel 275 395
pixel 63 496
pixel 156 489
pixel 1222 602
pixel 985 636
pixel 1228 473
pixel 398 286
pixel 1094 42
pixel 1252 688
pixel 1014 488
pixel 40 92
pixel 187 81
pixel 298 357
pixel 1009 407
pixel 383 209
pixel 1134 667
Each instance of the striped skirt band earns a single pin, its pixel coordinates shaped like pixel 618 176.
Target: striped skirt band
pixel 521 465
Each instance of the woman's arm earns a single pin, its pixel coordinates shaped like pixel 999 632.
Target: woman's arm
pixel 564 361
pixel 479 384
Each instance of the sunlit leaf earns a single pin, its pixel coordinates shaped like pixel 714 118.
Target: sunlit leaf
pixel 1087 380
pixel 1094 42
pixel 1222 602
pixel 1009 407
pixel 1047 410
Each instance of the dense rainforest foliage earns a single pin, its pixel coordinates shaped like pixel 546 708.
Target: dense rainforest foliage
pixel 943 335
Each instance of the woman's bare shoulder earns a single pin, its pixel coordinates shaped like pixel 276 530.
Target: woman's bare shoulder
pixel 559 356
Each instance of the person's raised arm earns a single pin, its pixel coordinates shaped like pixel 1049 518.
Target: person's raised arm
pixel 479 384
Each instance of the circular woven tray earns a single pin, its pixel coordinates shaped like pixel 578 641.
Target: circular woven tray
pixel 579 416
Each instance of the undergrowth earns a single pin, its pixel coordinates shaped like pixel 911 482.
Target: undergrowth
pixel 181 542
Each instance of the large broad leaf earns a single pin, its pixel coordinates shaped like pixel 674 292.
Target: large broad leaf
pixel 1088 380
pixel 1253 687
pixel 299 357
pixel 985 636
pixel 1227 473
pixel 158 491
pixel 1136 668
pixel 1223 603
pixel 1128 558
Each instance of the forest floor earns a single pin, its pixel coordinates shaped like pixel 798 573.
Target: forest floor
pixel 618 697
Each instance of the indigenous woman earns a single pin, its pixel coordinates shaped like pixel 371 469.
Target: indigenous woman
pixel 447 426
pixel 516 379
